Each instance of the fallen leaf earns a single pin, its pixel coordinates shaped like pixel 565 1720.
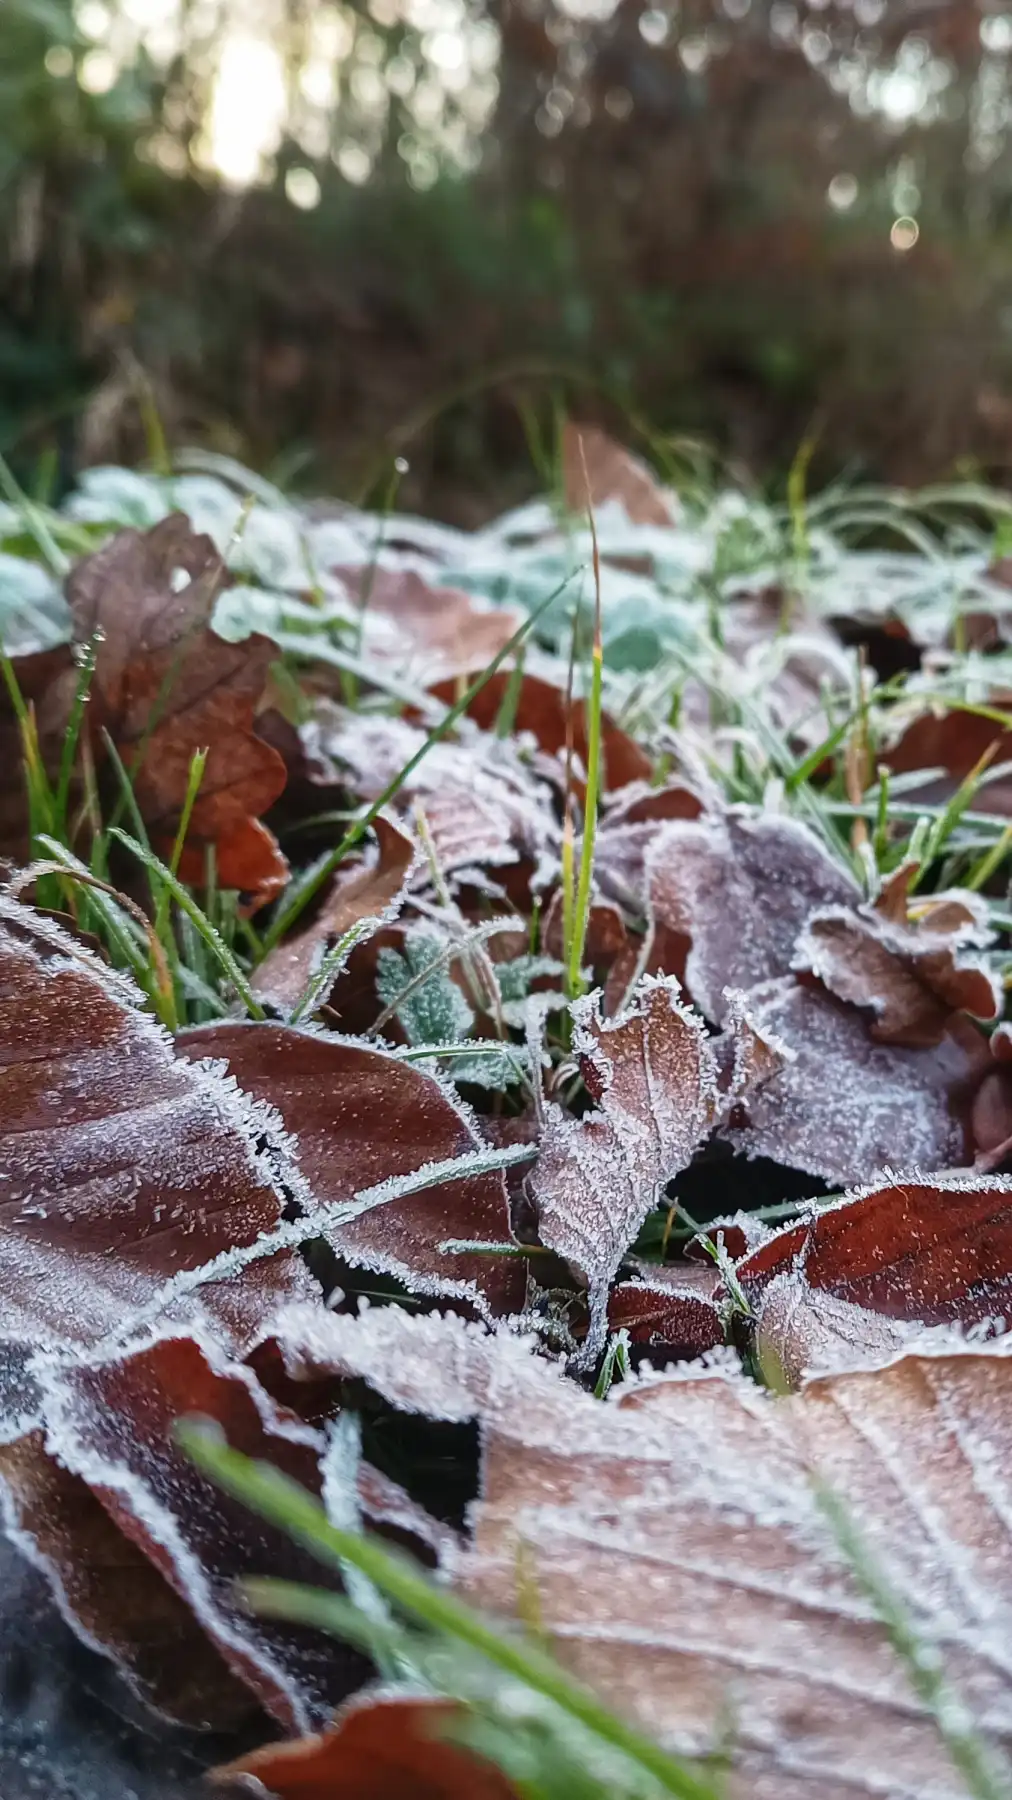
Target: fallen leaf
pixel 165 686
pixel 664 1311
pixel 628 826
pixel 382 1746
pixel 844 1107
pixel 122 1169
pixel 111 1423
pixel 912 976
pixel 542 709
pixel 361 1116
pixel 740 887
pixel 406 617
pixel 657 1083
pixel 597 469
pixel 372 885
pixel 954 741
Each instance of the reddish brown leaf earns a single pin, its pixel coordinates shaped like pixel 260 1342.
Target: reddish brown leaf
pixel 845 1107
pixel 628 827
pixel 382 1746
pixel 657 1082
pixel 448 630
pixel 955 742
pixel 372 885
pixel 122 1170
pixel 741 887
pixel 111 1423
pixel 910 1253
pixel 165 686
pixel 911 976
pixel 361 1116
pixel 662 1312
pixel 541 709
pixel 597 469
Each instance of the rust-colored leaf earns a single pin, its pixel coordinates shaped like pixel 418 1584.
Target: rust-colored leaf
pixel 382 1746
pixel 448 631
pixel 122 1170
pixel 372 885
pixel 665 1311
pixel 591 460
pixel 741 887
pixel 541 708
pixel 165 686
pixel 857 1277
pixel 360 1117
pixel 955 742
pixel 844 1107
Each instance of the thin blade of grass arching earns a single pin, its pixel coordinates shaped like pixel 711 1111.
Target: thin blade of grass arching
pixel 187 904
pixel 68 755
pixel 38 791
pixel 578 938
pixel 36 523
pixel 295 903
pixel 279 1499
pixel 154 974
pixel 330 968
pixel 975 1759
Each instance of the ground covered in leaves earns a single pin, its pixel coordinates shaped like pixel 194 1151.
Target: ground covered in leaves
pixel 507 1032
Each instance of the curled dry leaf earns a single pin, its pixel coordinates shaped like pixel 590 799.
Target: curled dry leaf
pixel 361 1116
pixel 540 707
pixel 844 1107
pixel 165 686
pixel 657 1082
pixel 110 1424
pixel 406 617
pixel 740 887
pixel 858 1277
pixel 384 1745
pixel 372 885
pixel 596 469
pixel 122 1169
pixel 912 976
pixel 752 1606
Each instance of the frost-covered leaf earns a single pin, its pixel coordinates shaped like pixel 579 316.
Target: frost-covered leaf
pixel 954 742
pixel 121 1168
pixel 435 1011
pixel 382 1746
pixel 110 1422
pixel 33 612
pixel 361 1117
pixel 539 706
pixel 165 686
pixel 629 826
pixel 845 1107
pixel 741 887
pixel 665 1311
pixel 657 1083
pixel 408 619
pixel 684 1565
pixel 912 976
pixel 597 469
pixel 858 1277
pixel 370 886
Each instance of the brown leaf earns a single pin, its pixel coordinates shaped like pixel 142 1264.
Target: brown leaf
pixel 955 742
pixel 362 1116
pixel 657 1083
pixel 122 1170
pixel 751 1606
pixel 909 1253
pixel 628 827
pixel 541 709
pixel 111 1423
pixel 591 460
pixel 165 686
pixel 845 1107
pixel 372 885
pixel 382 1746
pixel 912 976
pixel 741 887
pixel 666 1313
pixel 450 631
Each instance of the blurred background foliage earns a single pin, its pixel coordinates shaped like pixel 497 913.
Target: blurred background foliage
pixel 319 233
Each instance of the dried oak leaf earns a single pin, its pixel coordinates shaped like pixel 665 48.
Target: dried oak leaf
pixel 123 1171
pixel 406 617
pixel 657 1082
pixel 597 469
pixel 740 887
pixel 372 885
pixel 482 804
pixel 165 686
pixel 361 1117
pixel 856 1279
pixel 542 709
pixel 383 1745
pixel 756 1610
pixel 912 975
pixel 110 1423
pixel 844 1107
